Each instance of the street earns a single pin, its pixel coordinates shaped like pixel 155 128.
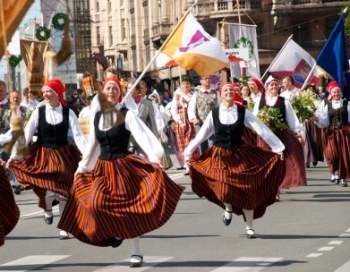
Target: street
pixel 308 230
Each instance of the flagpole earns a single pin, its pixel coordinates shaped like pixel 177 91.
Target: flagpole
pixel 279 53
pixel 157 53
pixel 309 76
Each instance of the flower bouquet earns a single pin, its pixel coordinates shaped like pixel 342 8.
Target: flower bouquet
pixel 272 118
pixel 304 105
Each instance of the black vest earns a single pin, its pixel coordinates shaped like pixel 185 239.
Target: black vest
pixel 279 105
pixel 53 136
pixel 114 142
pixel 228 136
pixel 338 117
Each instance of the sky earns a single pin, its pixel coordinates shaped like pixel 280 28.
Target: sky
pixel 13 47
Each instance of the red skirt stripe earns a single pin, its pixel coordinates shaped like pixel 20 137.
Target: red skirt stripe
pixel 124 198
pixel 246 177
pixel 9 211
pixel 47 169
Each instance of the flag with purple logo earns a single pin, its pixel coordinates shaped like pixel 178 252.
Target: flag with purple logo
pixel 191 47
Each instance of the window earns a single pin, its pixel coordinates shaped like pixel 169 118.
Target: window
pixel 301 33
pixel 110 33
pixel 98 35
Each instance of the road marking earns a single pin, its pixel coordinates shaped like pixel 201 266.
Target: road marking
pixel 31 262
pixel 325 249
pixel 344 235
pixel 314 255
pixel 54 210
pixel 348 230
pixel 344 268
pixel 176 176
pixel 148 261
pixel 335 242
pixel 247 264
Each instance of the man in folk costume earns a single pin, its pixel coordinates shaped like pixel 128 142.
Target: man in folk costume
pixel 49 168
pixel 203 101
pixel 334 117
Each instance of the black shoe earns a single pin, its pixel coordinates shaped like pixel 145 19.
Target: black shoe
pixel 17 190
pixel 333 181
pixel 336 181
pixel 48 219
pixel 343 183
pixel 186 173
pixel 226 221
pixel 251 234
pixel 136 260
pixel 307 165
pixel 115 242
pixel 181 168
pixel 314 164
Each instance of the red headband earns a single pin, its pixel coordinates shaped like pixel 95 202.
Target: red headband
pixel 57 87
pixel 116 81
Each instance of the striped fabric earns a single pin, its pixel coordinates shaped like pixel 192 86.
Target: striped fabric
pixel 9 211
pixel 336 147
pixel 47 169
pixel 184 133
pixel 295 173
pixel 124 198
pixel 246 177
pixel 313 140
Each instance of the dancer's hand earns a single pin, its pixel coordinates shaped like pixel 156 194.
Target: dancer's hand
pixel 281 157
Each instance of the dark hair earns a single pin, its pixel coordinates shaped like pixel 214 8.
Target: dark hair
pixel 186 78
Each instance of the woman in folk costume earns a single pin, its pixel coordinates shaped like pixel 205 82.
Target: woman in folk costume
pixel 239 177
pixel 49 168
pixel 9 212
pixel 334 117
pixel 162 119
pixel 118 195
pixel 183 128
pixel 295 174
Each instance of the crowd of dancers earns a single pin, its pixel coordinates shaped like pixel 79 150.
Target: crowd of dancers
pixel 104 165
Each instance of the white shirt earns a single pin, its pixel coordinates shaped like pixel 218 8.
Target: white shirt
pixel 291 117
pixel 255 97
pixel 228 116
pixel 53 116
pixel 141 133
pixel 322 112
pixel 290 94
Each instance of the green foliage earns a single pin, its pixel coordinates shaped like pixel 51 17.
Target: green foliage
pixel 304 105
pixel 42 33
pixel 272 118
pixel 15 60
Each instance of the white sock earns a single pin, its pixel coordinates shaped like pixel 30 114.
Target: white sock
pixel 228 207
pixel 249 215
pixel 135 246
pixel 336 175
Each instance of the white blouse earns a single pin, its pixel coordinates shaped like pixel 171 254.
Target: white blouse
pixel 322 112
pixel 54 116
pixel 291 117
pixel 141 133
pixel 229 116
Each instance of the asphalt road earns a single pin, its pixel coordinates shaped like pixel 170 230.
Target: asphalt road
pixel 308 230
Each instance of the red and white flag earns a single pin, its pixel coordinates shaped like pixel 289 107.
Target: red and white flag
pixel 294 61
pixel 191 47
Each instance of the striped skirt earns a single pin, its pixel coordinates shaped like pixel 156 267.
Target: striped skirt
pixel 313 141
pixel 47 169
pixel 336 146
pixel 295 173
pixel 124 198
pixel 9 211
pixel 246 177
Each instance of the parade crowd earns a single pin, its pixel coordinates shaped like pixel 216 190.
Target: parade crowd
pixel 101 156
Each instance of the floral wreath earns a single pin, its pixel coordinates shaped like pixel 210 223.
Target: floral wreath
pixel 15 60
pixel 59 20
pixel 42 33
pixel 249 43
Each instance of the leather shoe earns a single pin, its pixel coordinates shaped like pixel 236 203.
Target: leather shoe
pixel 227 221
pixel 136 260
pixel 251 234
pixel 181 168
pixel 63 235
pixel 48 217
pixel 116 242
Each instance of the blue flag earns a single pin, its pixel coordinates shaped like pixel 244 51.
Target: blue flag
pixel 333 57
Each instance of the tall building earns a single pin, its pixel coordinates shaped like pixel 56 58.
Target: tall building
pixel 133 30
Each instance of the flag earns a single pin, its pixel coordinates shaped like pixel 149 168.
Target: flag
pixel 333 57
pixel 191 47
pixel 294 61
pixel 244 36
